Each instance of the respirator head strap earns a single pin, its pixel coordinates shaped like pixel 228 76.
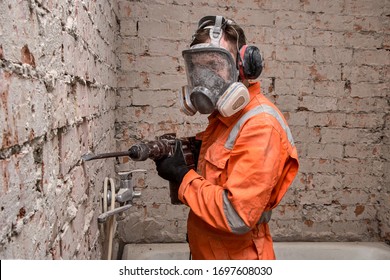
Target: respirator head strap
pixel 216 31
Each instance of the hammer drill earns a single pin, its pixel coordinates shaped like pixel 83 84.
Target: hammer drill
pixel 163 146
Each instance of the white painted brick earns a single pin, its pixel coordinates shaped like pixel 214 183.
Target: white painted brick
pixel 371 57
pixel 294 53
pixel 325 68
pixel 317 104
pixel 366 8
pixel 335 22
pixel 318 6
pixel 363 40
pixel 321 38
pixel 293 20
pixel 333 55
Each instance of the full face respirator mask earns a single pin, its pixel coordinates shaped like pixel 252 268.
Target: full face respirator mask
pixel 212 77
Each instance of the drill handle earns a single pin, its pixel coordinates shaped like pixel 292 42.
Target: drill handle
pixel 187 152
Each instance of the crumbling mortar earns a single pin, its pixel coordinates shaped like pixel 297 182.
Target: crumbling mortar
pixel 49 78
pixel 71 29
pixel 16 149
pixel 94 24
pixel 38 7
pixel 38 141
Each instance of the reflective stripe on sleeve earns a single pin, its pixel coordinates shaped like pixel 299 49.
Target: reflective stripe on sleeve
pixel 235 222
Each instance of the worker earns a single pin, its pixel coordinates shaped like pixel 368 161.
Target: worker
pixel 247 158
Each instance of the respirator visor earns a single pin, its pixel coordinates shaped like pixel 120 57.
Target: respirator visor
pixel 210 71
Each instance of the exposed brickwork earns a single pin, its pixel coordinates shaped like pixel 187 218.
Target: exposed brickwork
pixel 78 76
pixel 58 73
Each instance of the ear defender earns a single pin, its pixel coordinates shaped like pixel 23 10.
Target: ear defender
pixel 251 63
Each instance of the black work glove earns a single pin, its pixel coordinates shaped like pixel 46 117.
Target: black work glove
pixel 173 168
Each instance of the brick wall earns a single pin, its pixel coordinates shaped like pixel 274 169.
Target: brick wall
pixel 58 87
pixel 326 68
pixel 69 84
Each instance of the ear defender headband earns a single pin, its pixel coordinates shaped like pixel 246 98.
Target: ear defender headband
pixel 250 64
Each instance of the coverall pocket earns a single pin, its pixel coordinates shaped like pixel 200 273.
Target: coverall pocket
pixel 217 155
pixel 216 158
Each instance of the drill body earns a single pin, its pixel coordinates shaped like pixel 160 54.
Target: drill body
pixel 163 146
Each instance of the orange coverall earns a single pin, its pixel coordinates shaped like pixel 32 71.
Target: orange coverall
pixel 246 163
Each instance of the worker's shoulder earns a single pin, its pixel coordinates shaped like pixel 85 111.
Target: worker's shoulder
pixel 263 110
pixel 265 115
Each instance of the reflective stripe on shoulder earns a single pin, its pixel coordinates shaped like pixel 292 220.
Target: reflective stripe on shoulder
pixel 257 110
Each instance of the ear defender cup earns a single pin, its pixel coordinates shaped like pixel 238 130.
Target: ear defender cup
pixel 251 63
